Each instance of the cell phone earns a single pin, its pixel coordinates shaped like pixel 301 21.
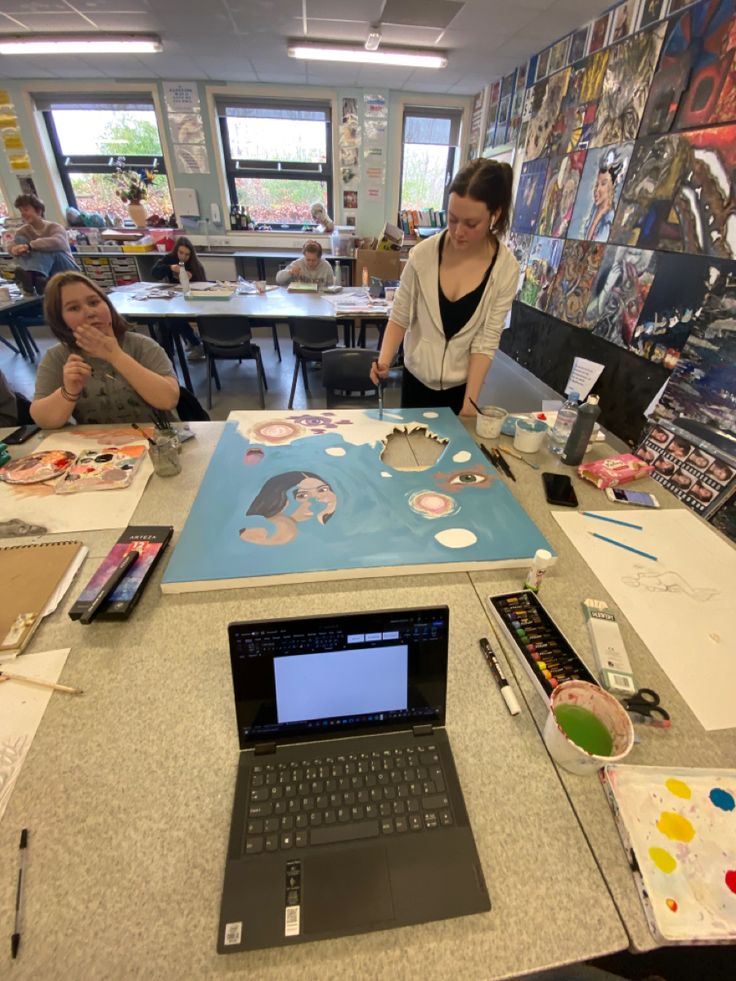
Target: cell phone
pixel 558 489
pixel 20 435
pixel 639 498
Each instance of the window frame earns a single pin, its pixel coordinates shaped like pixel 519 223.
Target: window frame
pixel 319 173
pixel 455 117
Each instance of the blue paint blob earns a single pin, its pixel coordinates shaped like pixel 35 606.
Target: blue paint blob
pixel 722 798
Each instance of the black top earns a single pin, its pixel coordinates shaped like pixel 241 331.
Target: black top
pixel 456 313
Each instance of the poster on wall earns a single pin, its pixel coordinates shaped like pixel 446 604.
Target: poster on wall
pixel 191 159
pixel 494 94
pixel 186 127
pixel 476 119
pixel 624 20
pixel 558 197
pixel 599 33
pixel 576 274
pixel 181 96
pixel 600 189
pixel 650 12
pixel 618 294
pixel 579 44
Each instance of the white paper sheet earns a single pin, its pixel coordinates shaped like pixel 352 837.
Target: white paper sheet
pixel 21 710
pixel 682 606
pixel 37 504
pixel 583 377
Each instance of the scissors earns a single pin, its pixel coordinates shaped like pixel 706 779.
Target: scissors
pixel 644 706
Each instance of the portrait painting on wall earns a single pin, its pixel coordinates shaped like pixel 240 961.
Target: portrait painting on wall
pixel 624 17
pixel 558 55
pixel 573 283
pixel 650 12
pixel 631 64
pixel 541 269
pixel 579 44
pixel 621 287
pixel 545 109
pixel 599 32
pixel 542 64
pixel 558 198
pixel 599 192
pixel 529 195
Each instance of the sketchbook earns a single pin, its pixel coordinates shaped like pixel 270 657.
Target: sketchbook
pixel 677 826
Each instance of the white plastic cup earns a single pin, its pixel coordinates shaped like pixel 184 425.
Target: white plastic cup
pixel 489 421
pixel 529 435
pixel 611 713
pixel 390 292
pixel 261 285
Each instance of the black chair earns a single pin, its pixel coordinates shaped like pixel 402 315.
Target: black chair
pixel 188 407
pixel 311 337
pixel 229 339
pixel 273 325
pixel 346 377
pixel 365 323
pixel 23 409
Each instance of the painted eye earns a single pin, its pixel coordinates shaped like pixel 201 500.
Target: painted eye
pixel 469 478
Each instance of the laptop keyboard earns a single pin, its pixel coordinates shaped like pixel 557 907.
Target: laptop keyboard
pixel 326 799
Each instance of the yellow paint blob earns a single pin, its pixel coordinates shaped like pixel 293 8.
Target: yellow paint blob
pixel 675 826
pixel 663 860
pixel 678 788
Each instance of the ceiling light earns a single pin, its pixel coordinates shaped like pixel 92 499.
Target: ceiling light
pixel 79 43
pixel 373 40
pixel 326 51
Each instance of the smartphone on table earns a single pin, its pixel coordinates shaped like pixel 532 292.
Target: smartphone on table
pixel 558 489
pixel 20 435
pixel 639 498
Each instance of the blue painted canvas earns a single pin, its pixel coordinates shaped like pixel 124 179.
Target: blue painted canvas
pixel 293 496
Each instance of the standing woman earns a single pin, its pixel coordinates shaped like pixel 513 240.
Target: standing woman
pixel 169 268
pixel 455 292
pixel 101 372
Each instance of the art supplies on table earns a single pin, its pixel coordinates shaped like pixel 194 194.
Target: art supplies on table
pixel 210 294
pixel 612 661
pixel 37 467
pixel 30 577
pixel 677 827
pixel 645 707
pixel 102 468
pixel 546 654
pixel 149 541
pixel 297 287
pixel 614 470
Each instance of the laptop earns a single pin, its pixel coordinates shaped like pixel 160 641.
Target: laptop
pixel 348 814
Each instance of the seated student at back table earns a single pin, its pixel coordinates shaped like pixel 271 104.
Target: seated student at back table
pixel 101 372
pixel 41 247
pixel 311 268
pixel 455 292
pixel 168 267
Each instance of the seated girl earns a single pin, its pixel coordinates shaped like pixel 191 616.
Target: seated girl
pixel 311 268
pixel 168 268
pixel 41 247
pixel 101 372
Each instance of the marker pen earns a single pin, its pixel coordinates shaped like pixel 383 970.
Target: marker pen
pixel 506 692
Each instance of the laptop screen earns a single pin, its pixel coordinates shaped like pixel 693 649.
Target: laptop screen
pixel 345 673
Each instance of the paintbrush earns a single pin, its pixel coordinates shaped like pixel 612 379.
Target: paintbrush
pixel 4 676
pixel 143 432
pixel 518 456
pixel 380 399
pixel 476 407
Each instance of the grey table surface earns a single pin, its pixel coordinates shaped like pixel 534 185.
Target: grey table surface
pixel 127 792
pixel 564 587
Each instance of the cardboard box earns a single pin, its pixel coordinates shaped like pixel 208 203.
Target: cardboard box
pixel 384 265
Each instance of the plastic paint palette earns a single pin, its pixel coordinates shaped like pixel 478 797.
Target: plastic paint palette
pixel 547 655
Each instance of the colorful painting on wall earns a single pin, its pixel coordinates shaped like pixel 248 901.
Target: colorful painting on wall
pixel 574 124
pixel 624 20
pixel 650 12
pixel 558 198
pixel 599 32
pixel 671 77
pixel 600 188
pixel 541 269
pixel 529 195
pixel 711 93
pixel 631 64
pixel 679 194
pixel 579 44
pixel 677 827
pixel 621 287
pixel 520 245
pixel 547 100
pixel 576 274
pixel 295 496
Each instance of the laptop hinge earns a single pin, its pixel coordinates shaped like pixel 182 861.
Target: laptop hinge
pixel 425 730
pixel 265 749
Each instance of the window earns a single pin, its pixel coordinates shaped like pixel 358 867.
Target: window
pixel 88 138
pixel 278 159
pixel 429 154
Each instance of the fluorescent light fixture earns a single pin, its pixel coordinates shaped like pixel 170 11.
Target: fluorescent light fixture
pixel 24 44
pixel 373 40
pixel 327 51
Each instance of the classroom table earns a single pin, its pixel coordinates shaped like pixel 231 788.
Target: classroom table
pixel 20 305
pixel 127 793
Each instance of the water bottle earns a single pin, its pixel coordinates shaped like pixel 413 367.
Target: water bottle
pixel 566 416
pixel 183 278
pixel 577 442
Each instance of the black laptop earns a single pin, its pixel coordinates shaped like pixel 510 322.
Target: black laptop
pixel 348 814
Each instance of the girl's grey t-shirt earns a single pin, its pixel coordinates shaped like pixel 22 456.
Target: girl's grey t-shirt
pixel 106 399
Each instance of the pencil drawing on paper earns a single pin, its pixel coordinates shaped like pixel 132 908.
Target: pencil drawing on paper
pixel 12 751
pixel 669 582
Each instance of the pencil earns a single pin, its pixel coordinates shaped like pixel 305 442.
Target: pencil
pixel 629 548
pixel 613 521
pixel 40 682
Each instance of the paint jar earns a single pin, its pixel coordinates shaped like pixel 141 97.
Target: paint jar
pixel 529 435
pixel 489 421
pixel 584 712
pixel 164 453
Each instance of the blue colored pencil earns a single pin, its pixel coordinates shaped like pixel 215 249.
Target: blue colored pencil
pixel 613 521
pixel 612 541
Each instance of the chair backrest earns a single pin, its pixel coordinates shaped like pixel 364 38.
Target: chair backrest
pixel 314 332
pixel 23 409
pixel 226 331
pixel 188 408
pixel 346 371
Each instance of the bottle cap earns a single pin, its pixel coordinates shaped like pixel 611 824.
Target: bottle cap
pixel 593 400
pixel 573 396
pixel 542 558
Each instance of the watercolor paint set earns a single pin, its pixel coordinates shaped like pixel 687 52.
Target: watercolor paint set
pixel 547 655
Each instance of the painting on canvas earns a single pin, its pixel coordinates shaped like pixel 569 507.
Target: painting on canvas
pixel 600 188
pixel 558 198
pixel 548 96
pixel 621 287
pixel 529 195
pixel 576 274
pixel 541 269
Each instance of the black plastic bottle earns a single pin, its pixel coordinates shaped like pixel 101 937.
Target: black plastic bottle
pixel 577 441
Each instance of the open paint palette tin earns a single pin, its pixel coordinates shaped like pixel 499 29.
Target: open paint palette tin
pixel 547 655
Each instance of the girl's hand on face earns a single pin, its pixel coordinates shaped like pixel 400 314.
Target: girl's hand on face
pixel 75 374
pixel 96 343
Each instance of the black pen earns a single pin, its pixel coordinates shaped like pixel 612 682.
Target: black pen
pixel 508 696
pixel 504 465
pixel 15 939
pixel 108 586
pixel 488 454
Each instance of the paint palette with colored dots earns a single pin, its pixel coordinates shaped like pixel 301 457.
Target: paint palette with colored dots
pixel 546 654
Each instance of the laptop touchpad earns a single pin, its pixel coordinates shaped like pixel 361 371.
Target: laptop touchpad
pixel 345 889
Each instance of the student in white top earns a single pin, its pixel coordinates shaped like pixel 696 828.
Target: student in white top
pixel 311 268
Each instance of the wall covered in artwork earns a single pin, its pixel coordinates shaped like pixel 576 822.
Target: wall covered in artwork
pixel 624 218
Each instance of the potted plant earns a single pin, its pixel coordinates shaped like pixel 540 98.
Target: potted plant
pixel 132 189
